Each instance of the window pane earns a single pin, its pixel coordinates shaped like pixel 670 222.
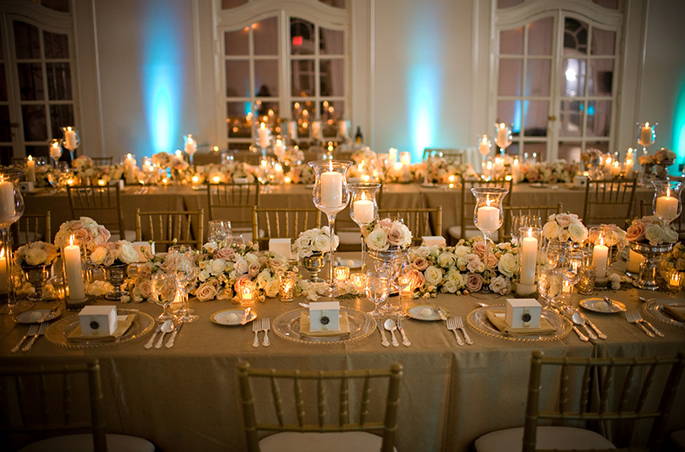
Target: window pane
pixel 57 5
pixel 302 73
pixel 511 41
pixel 30 81
pixel 228 4
pixel 540 36
pixel 508 111
pixel 301 36
pixel 303 112
pixel 535 113
pixel 59 81
pixel 598 118
pixel 570 151
pixel 331 112
pixel 331 42
pixel 5 129
pixel 266 78
pixel 5 155
pixel 513 148
pixel 265 35
pixel 571 117
pixel 603 42
pixel 61 116
pixel 237 79
pixel 537 78
pixel 267 112
pixel 332 77
pixel 510 77
pixel 239 119
pixel 35 127
pixel 601 77
pixel 573 78
pixel 37 151
pixel 237 42
pixel 26 40
pixel 3 83
pixel 575 37
pixel 56 45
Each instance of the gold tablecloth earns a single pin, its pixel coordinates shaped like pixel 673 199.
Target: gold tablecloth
pixel 186 398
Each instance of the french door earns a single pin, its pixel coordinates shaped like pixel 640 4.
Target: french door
pixel 556 77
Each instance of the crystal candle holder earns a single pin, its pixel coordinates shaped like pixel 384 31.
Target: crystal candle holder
pixel 286 287
pixel 363 209
pixel 358 281
pixel 488 214
pixel 342 273
pixel 666 203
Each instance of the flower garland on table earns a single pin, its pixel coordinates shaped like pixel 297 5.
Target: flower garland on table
pixel 559 171
pixel 564 227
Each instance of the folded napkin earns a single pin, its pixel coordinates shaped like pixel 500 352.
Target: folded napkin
pixel 304 326
pixel 677 311
pixel 123 324
pixel 498 321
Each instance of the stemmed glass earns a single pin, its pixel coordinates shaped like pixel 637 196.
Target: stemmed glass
pixel 484 147
pixel 549 286
pixel 331 195
pixel 363 209
pixel 164 292
pixel 646 135
pixel 523 221
pixel 181 260
pixel 502 136
pixel 55 151
pixel 71 140
pixel 220 230
pixel 11 209
pixel 488 213
pixel 667 205
pixel 377 290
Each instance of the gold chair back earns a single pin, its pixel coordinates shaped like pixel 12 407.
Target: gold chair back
pixel 101 203
pixel 31 228
pixel 233 202
pixel 42 411
pixel 468 201
pixel 543 212
pixel 282 223
pixel 103 161
pixel 347 419
pixel 608 201
pixel 420 221
pixel 171 228
pixel 623 387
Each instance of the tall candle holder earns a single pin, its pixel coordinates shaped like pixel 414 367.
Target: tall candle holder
pixel 11 209
pixel 331 195
pixel 484 147
pixel 666 204
pixel 488 214
pixel 530 242
pixel 363 209
pixel 55 151
pixel 502 136
pixel 190 147
pixel 71 141
pixel 646 134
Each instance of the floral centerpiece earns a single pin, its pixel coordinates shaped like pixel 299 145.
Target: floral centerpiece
pixel 563 227
pixel 35 254
pixel 655 165
pixel 651 230
pixel 86 231
pixel 559 171
pixel 121 252
pixel 386 234
pixel 302 174
pixel 315 241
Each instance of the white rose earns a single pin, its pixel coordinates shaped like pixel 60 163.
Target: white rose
pixel 127 253
pixel 377 240
pixel 203 275
pixel 251 259
pixel 577 232
pixel 507 265
pixel 462 261
pixel 446 260
pixel 551 230
pixel 98 255
pixel 241 266
pixel 433 275
pixel 216 266
pixel 322 244
pixel 35 256
pixel 449 286
pixel 461 251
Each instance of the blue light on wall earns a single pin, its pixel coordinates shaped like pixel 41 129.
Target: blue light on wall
pixel 162 77
pixel 679 128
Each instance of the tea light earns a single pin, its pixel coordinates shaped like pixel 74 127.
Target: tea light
pixel 287 179
pixel 247 293
pixel 101 182
pixel 405 158
pixel 451 180
pixel 286 288
pixel 30 169
pixel 216 179
pixel 358 280
pixel 406 286
pixel 195 179
pixel 70 181
pixel 215 148
pixel 675 281
pixel 341 272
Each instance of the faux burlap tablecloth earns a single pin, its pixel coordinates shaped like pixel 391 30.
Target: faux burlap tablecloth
pixel 186 398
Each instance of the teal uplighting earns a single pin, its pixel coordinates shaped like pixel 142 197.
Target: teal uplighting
pixel 679 128
pixel 162 78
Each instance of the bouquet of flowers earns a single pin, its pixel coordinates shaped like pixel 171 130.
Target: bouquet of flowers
pixel 302 174
pixel 315 240
pixel 565 226
pixel 289 156
pixel 120 252
pixel 86 231
pixel 651 229
pixel 36 253
pixel 82 162
pixel 662 157
pixel 386 233
pixel 548 172
pixel 674 260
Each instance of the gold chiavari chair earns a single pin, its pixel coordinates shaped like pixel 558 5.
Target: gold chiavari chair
pixel 626 389
pixel 608 201
pixel 103 161
pixel 235 200
pixel 59 408
pixel 324 430
pixel 421 221
pixel 454 155
pixel 282 223
pixel 468 203
pixel 101 203
pixel 543 212
pixel 171 227
pixel 31 228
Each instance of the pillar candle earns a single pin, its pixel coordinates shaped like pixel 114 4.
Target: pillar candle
pixel 488 218
pixel 7 207
pixel 72 268
pixel 70 139
pixel 516 170
pixel 529 257
pixel 30 169
pixel 634 261
pixel 666 206
pixel 392 156
pixel 484 145
pixel 331 189
pixel 263 135
pixel 600 254
pixel 363 211
pixel 342 128
pixel 646 134
pixel 405 158
pixel 4 273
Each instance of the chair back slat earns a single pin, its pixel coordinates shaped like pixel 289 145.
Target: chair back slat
pixel 585 389
pixel 278 401
pixel 468 201
pixel 420 221
pixel 608 201
pixel 563 388
pixel 31 228
pixel 366 398
pixel 101 203
pixel 606 383
pixel 505 232
pixel 646 386
pixel 271 223
pixel 236 198
pixel 167 228
pixel 299 400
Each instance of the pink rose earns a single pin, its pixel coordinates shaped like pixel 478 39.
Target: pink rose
pixel 224 253
pixel 479 248
pixel 253 270
pixel 490 260
pixel 144 286
pixel 563 220
pixel 635 232
pixel 385 223
pixel 395 235
pixel 474 282
pixel 206 292
pixel 419 263
pixel 416 278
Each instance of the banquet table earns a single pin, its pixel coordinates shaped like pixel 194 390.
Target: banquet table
pixel 186 398
pixel 293 195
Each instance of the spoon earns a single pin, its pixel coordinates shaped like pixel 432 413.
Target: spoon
pixel 389 325
pixel 579 320
pixel 580 334
pixel 167 327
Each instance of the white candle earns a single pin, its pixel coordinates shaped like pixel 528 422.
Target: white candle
pixel 4 273
pixel 55 150
pixel 484 146
pixel 342 128
pixel 30 169
pixel 529 256
pixel 488 218
pixel 316 130
pixel 331 189
pixel 615 168
pixel 70 139
pixel 634 261
pixel 600 254
pixel 646 134
pixel 515 170
pixel 392 156
pixel 264 135
pixel 191 145
pixel 405 158
pixel 666 206
pixel 363 211
pixel 7 207
pixel 502 139
pixel 292 130
pixel 72 268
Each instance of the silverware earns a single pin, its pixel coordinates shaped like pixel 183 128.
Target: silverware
pixel 634 317
pixel 442 313
pixel 266 325
pixel 648 323
pixel 41 331
pixel 389 325
pixel 460 325
pixel 452 326
pixel 167 327
pixel 599 332
pixel 172 339
pixel 608 301
pixel 384 340
pixel 33 329
pixel 405 339
pixel 148 345
pixel 256 328
pixel 578 320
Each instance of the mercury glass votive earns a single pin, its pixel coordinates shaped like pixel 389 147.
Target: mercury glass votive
pixel 358 280
pixel 342 273
pixel 406 286
pixel 247 294
pixel 675 281
pixel 286 288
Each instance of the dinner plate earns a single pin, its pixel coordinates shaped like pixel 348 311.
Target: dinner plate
pixel 37 316
pixel 655 308
pixel 232 317
pixel 597 304
pixel 423 312
pixel 478 320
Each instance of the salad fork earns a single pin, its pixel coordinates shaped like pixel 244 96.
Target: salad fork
pixel 41 331
pixel 256 328
pixel 459 320
pixel 452 326
pixel 405 339
pixel 634 317
pixel 33 329
pixel 649 324
pixel 266 325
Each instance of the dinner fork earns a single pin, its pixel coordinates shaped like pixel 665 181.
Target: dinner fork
pixel 256 328
pixel 405 339
pixel 634 317
pixel 648 323
pixel 41 331
pixel 459 320
pixel 266 325
pixel 33 329
pixel 452 326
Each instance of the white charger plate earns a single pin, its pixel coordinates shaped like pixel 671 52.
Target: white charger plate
pixel 232 317
pixel 423 312
pixel 37 316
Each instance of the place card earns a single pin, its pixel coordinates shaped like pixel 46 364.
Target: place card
pixel 280 247
pixel 523 313
pixel 98 320
pixel 324 316
pixel 434 240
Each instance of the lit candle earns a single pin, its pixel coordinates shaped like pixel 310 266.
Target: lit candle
pixel 287 179
pixel 331 188
pixel 195 179
pixel 358 281
pixel 675 280
pixel 529 257
pixel 70 139
pixel 406 286
pixel 7 206
pixel 279 146
pixel 341 273
pixel 484 145
pixel 316 130
pixel 263 135
pixel 342 128
pixel 451 180
pixel 488 217
pixel 363 210
pixel 286 288
pixel 646 132
pixel 191 145
pixel 515 170
pixel 600 254
pixel 615 168
pixel 392 156
pixel 634 261
pixel 30 169
pixel 405 158
pixel 73 271
pixel 502 139
pixel 667 206
pixel 215 148
pixel 4 272
pixel 216 179
pixel 488 169
pixel 55 149
pixel 101 182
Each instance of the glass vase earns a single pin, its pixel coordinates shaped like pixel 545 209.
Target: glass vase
pixel 388 263
pixel 647 277
pixel 116 274
pixel 666 203
pixel 36 275
pixel 363 209
pixel 314 264
pixel 488 214
pixel 502 136
pixel 70 141
pixel 646 134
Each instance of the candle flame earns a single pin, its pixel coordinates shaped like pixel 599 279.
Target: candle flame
pixel 30 158
pixel 2 253
pixel 262 125
pixel 530 232
pixel 647 124
pixel 71 240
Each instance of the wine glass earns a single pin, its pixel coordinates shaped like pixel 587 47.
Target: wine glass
pixel 220 230
pixel 550 285
pixel 363 209
pixel 71 140
pixel 646 134
pixel 377 290
pixel 164 291
pixel 502 136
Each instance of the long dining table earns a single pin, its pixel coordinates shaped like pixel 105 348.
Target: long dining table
pixel 186 398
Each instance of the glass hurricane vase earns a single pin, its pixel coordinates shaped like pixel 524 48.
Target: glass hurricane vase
pixel 666 203
pixel 488 214
pixel 116 274
pixel 363 209
pixel 648 268
pixel 70 140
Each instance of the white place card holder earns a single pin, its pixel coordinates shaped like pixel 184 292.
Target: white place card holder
pixel 580 180
pixel 523 313
pixel 434 240
pixel 98 320
pixel 280 247
pixel 324 316
pixel 26 187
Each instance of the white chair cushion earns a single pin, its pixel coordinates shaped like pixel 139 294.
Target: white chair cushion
pixel 562 438
pixel 321 442
pixel 84 443
pixel 678 439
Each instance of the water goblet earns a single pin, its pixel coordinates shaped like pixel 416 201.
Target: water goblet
pixel 550 286
pixel 377 290
pixel 363 209
pixel 164 292
pixel 220 230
